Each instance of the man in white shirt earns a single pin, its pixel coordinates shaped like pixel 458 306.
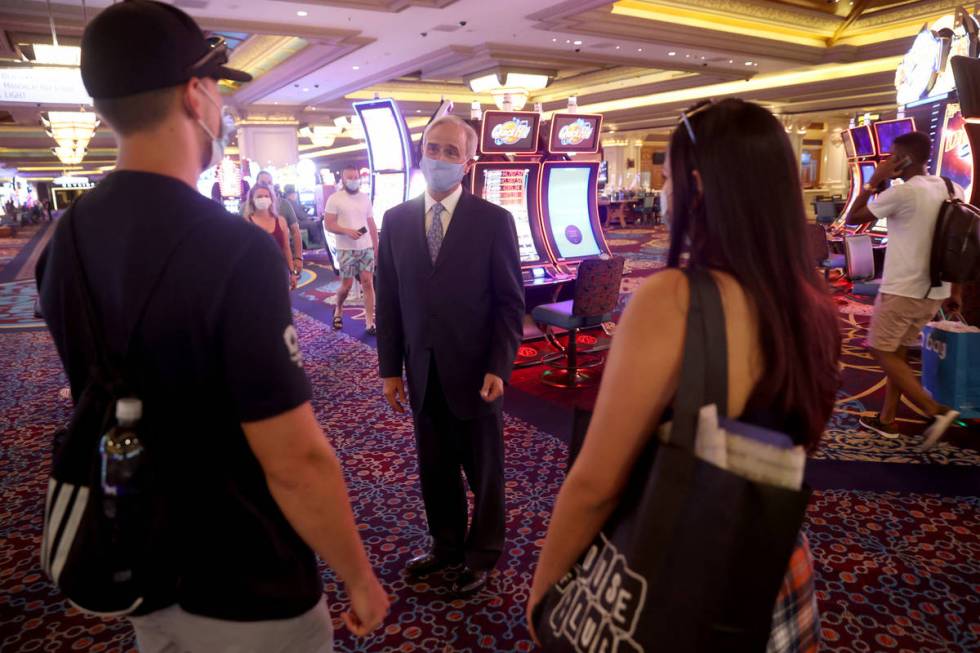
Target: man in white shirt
pixel 349 214
pixel 907 301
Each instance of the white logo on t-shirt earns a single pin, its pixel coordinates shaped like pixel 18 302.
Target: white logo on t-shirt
pixel 292 344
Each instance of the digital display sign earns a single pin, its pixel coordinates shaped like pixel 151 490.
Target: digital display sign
pixel 848 144
pixel 863 143
pixel 955 155
pixel 570 197
pixel 510 132
pixel 886 131
pixel 929 118
pixel 389 192
pixel 514 187
pixel 386 141
pixel 572 132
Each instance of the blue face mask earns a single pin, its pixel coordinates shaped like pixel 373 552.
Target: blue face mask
pixel 442 176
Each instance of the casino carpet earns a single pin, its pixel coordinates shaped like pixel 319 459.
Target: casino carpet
pixel 895 533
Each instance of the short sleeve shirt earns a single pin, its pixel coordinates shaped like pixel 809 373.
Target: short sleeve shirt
pixel 352 212
pixel 911 209
pixel 215 348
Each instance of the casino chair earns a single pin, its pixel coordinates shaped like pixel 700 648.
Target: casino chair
pixel 825 211
pixel 596 296
pixel 819 250
pixel 861 265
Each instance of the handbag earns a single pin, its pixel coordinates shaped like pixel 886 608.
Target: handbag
pixel 107 558
pixel 693 557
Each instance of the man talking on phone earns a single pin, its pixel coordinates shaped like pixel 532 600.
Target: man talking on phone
pixel 907 301
pixel 350 216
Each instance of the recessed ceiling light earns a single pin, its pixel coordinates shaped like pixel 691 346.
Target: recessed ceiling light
pixel 576 43
pixel 554 40
pixel 639 49
pixel 687 56
pixel 357 67
pixel 748 63
pixel 568 40
pixel 619 47
pixel 671 53
pixel 306 90
pixel 302 14
pixel 731 61
pixel 703 57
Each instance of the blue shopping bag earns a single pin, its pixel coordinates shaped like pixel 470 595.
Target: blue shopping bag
pixel 951 369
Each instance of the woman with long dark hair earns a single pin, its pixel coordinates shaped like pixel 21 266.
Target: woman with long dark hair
pixel 736 208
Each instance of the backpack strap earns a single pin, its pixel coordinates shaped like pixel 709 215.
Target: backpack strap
pixel 949 188
pixel 110 372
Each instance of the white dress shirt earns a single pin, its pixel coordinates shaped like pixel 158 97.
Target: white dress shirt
pixel 448 205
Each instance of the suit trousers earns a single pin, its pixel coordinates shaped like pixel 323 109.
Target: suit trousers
pixel 448 446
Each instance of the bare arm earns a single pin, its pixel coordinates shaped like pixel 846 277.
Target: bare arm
pixel 333 226
pixel 373 232
pixel 306 481
pixel 631 400
pixel 860 213
pixel 297 247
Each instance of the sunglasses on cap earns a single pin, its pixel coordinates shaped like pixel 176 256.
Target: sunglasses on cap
pixel 216 56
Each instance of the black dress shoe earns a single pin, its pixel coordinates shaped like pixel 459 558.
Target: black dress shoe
pixel 470 582
pixel 426 564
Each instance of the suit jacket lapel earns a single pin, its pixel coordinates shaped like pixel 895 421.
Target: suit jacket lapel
pixel 456 226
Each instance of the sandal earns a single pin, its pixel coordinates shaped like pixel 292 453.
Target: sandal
pixel 372 330
pixel 338 322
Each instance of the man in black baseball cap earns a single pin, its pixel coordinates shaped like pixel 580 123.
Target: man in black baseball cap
pixel 195 301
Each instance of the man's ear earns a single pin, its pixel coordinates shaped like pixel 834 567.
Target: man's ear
pixel 191 99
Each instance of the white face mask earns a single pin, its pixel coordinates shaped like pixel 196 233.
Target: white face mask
pixel 263 203
pixel 218 141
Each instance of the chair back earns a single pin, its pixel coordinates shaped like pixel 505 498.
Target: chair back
pixel 825 210
pixel 817 245
pixel 597 286
pixel 860 258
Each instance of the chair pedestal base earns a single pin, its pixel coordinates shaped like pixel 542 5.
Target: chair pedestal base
pixel 565 378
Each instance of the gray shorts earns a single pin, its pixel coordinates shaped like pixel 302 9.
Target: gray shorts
pixel 173 630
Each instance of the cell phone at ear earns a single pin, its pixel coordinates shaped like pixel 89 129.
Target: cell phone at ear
pixel 902 163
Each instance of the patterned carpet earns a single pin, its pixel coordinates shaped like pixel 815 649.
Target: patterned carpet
pixel 898 566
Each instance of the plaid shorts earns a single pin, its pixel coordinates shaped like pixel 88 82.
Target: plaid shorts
pixel 353 262
pixel 795 623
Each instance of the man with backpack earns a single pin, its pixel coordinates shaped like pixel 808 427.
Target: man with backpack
pixel 907 300
pixel 186 307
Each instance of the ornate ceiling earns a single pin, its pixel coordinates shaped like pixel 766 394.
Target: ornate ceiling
pixel 638 61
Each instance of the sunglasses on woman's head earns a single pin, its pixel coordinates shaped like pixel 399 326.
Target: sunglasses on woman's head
pixel 687 115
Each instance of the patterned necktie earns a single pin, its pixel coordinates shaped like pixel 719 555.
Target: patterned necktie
pixel 435 233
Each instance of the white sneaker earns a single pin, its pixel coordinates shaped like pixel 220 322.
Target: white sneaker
pixel 940 424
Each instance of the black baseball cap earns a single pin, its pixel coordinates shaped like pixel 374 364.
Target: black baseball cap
pixel 140 45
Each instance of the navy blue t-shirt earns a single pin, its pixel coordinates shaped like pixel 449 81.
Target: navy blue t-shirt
pixel 216 348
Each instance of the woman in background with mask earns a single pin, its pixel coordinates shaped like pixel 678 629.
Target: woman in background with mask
pixel 260 210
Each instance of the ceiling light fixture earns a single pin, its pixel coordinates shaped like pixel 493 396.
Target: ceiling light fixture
pixel 576 43
pixel 72 131
pixel 671 54
pixel 302 14
pixel 509 87
pixel 356 67
pixel 321 135
pixel 639 49
pixel 57 55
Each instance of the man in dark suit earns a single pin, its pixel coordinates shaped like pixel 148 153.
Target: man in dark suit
pixel 450 308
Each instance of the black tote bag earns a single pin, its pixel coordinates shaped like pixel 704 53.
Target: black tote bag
pixel 694 556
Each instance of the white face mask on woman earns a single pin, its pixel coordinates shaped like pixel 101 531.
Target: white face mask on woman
pixel 263 203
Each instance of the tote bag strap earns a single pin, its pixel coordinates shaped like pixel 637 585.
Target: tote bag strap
pixel 704 371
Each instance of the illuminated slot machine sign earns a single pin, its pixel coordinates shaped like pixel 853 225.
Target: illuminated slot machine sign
pixel 863 142
pixel 510 132
pixel 570 210
pixel 514 186
pixel 573 133
pixel 955 156
pixel 389 153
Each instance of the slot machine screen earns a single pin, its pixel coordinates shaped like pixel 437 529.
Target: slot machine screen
pixel 867 170
pixel 510 132
pixel 955 155
pixel 569 220
pixel 887 131
pixel 389 192
pixel 848 144
pixel 386 145
pixel 863 143
pixel 514 187
pixel 572 132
